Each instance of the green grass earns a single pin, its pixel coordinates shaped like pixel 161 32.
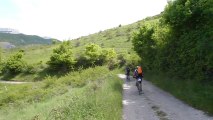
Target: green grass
pixel 195 93
pixel 32 53
pixel 88 94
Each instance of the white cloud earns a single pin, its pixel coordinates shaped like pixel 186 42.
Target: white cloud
pixel 73 18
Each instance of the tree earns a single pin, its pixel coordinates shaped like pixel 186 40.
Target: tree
pixel 191 42
pixel 93 52
pixel 15 63
pixel 62 57
pixel 188 14
pixel 54 41
pixel 108 54
pixel 144 44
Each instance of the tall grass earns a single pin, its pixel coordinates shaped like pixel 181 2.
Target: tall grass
pixel 88 94
pixel 195 93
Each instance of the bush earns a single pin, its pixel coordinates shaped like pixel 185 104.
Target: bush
pixel 33 68
pixel 95 55
pixel 62 57
pixel 121 60
pixel 15 63
pixel 77 44
pixel 112 64
pixel 82 62
pixel 93 52
pixel 133 60
pixel 49 82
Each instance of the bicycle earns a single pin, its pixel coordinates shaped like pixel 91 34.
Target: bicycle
pixel 139 85
pixel 128 77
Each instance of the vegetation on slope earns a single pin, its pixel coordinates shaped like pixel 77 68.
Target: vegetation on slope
pixel 116 40
pixel 86 94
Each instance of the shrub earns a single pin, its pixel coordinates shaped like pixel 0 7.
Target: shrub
pixel 15 63
pixel 33 68
pixel 133 60
pixel 121 60
pixel 62 57
pixel 93 52
pixel 95 55
pixel 54 41
pixel 82 62
pixel 112 64
pixel 49 82
pixel 77 44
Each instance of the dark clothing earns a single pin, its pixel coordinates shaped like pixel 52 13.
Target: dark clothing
pixel 127 71
pixel 140 76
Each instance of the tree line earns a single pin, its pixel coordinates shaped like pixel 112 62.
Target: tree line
pixel 63 59
pixel 180 42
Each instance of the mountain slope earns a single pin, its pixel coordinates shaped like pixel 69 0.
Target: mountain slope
pixel 118 38
pixel 21 39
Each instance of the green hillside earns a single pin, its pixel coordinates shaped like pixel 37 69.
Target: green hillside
pixel 21 39
pixel 119 38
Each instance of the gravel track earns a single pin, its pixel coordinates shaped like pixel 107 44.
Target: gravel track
pixel 155 104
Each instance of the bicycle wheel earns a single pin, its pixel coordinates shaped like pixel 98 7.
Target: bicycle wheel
pixel 140 88
pixel 127 77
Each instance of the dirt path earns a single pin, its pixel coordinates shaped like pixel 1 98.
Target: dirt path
pixel 155 104
pixel 12 82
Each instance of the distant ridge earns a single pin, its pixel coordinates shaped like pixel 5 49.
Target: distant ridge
pixel 22 39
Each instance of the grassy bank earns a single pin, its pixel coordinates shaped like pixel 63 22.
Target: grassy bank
pixel 88 94
pixel 195 93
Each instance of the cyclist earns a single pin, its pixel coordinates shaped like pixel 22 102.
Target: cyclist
pixel 127 73
pixel 138 74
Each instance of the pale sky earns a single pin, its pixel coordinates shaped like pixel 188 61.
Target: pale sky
pixel 68 19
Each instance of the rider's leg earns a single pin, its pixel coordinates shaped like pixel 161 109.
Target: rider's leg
pixel 139 86
pixel 128 76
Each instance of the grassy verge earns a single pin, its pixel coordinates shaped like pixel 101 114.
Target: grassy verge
pixel 194 93
pixel 95 93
